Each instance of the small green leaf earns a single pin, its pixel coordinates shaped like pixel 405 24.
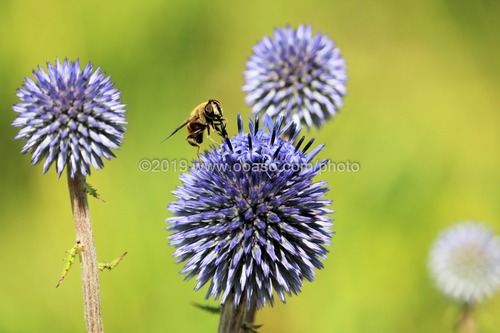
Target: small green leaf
pixel 72 253
pixel 207 308
pixel 250 327
pixel 92 191
pixel 109 265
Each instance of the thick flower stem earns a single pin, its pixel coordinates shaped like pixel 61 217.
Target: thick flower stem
pixel 231 317
pixel 250 315
pixel 90 277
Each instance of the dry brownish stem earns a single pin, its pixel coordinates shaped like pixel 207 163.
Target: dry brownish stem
pixel 88 257
pixel 231 317
pixel 466 323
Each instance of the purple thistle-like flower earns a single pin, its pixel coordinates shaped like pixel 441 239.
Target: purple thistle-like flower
pixel 249 218
pixel 70 117
pixel 296 74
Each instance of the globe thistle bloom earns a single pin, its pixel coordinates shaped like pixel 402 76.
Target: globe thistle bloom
pixel 296 74
pixel 69 117
pixel 465 262
pixel 249 218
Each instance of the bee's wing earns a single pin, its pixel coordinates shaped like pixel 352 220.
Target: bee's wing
pixel 177 129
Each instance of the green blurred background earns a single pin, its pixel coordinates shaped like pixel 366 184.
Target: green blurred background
pixel 421 118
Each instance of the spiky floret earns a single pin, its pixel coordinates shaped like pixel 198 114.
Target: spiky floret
pixel 296 74
pixel 249 218
pixel 69 117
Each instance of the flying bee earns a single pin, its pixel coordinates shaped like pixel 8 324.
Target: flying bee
pixel 206 116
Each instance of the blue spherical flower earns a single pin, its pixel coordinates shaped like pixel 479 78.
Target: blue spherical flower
pixel 70 117
pixel 465 262
pixel 301 76
pixel 249 218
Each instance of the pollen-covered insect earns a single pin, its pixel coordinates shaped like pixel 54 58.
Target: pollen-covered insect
pixel 206 116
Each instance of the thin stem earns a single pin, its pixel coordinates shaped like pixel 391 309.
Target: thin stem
pixel 466 323
pixel 88 257
pixel 231 316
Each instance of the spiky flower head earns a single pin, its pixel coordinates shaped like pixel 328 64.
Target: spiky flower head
pixel 249 218
pixel 70 117
pixel 465 262
pixel 297 74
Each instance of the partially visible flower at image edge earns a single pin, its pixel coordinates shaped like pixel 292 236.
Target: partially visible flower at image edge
pixel 69 117
pixel 249 218
pixel 296 74
pixel 465 262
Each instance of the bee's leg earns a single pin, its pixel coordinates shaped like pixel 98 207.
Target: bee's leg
pixel 193 137
pixel 213 141
pixel 208 135
pixel 218 128
pixel 194 143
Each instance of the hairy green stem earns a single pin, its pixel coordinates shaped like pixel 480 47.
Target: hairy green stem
pixel 250 315
pixel 89 266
